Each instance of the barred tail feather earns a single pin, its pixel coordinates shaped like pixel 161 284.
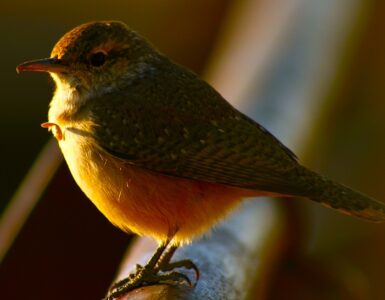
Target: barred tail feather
pixel 342 198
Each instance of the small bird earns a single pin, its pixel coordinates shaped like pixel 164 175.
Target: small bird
pixel 159 151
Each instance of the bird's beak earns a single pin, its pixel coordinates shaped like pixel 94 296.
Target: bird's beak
pixel 53 65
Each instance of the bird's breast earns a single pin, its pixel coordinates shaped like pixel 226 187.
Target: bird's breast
pixel 142 201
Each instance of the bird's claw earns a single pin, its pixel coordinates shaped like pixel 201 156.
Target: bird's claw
pixel 187 264
pixel 138 269
pixel 147 276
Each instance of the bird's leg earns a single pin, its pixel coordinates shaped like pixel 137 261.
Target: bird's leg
pixel 139 268
pixel 150 273
pixel 165 265
pixel 139 277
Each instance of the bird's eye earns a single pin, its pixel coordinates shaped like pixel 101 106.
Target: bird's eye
pixel 98 59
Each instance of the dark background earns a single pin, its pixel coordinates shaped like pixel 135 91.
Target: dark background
pixel 67 250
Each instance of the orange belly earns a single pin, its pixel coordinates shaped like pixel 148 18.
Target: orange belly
pixel 148 203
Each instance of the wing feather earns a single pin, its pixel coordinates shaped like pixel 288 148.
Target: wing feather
pixel 179 126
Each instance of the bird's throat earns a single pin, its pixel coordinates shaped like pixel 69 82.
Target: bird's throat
pixel 66 102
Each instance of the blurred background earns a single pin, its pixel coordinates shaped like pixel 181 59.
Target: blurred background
pixel 312 72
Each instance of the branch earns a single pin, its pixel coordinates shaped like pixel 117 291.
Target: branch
pixel 238 253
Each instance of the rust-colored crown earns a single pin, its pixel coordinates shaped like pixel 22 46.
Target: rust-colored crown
pixel 82 39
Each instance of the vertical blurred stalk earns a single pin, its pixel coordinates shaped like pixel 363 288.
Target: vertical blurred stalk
pixel 282 53
pixel 28 194
pixel 349 144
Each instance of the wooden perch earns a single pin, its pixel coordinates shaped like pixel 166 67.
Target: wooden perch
pixel 237 254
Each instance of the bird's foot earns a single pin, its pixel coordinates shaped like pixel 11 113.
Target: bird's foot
pixel 147 275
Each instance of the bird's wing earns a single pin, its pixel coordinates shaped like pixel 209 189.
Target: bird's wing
pixel 202 140
pixel 191 132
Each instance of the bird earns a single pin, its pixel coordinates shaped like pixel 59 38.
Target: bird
pixel 160 152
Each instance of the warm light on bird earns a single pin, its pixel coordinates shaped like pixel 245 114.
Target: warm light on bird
pixel 159 151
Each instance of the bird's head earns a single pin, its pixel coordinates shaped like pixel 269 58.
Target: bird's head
pixel 96 58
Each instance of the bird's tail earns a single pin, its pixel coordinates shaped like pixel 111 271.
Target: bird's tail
pixel 342 198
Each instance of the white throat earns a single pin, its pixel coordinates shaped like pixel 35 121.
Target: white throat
pixel 66 99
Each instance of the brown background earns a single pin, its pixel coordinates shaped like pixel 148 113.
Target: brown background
pixel 67 250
